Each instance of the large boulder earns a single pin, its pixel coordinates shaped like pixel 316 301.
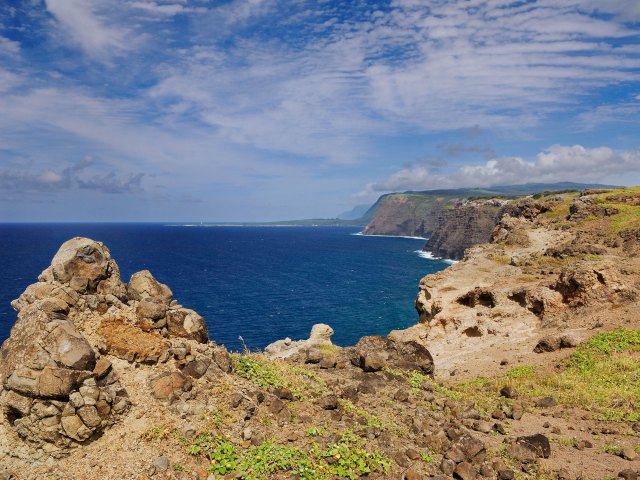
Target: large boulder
pixel 375 353
pixel 83 264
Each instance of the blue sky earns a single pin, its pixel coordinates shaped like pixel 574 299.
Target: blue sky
pixel 135 110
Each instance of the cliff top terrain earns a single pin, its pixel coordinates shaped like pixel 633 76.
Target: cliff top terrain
pixel 524 364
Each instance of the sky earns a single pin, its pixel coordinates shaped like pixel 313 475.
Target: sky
pixel 256 110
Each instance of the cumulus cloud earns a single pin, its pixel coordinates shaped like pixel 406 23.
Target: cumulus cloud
pixel 555 164
pixel 76 175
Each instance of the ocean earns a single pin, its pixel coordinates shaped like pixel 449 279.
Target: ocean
pixel 258 283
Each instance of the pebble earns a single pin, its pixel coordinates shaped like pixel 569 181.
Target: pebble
pixel 161 464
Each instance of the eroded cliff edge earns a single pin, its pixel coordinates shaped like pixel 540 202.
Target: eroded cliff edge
pixel 554 264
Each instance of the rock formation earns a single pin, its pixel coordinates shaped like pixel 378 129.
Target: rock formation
pixel 58 387
pixel 320 337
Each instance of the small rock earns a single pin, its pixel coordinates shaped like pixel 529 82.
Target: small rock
pixel 236 399
pixel 447 466
pixel 509 392
pixel 569 340
pixel 486 471
pixel 161 464
pixel 314 355
pixel 506 474
pixel 283 394
pixel 498 415
pixel 504 362
pixel 538 443
pixel 412 475
pixel 628 474
pixel 517 412
pixel 628 453
pixel 550 343
pixel 465 471
pixel 189 431
pixel 401 459
pixel 412 453
pixel 545 402
pixel 482 426
pixel 401 396
pixel 329 402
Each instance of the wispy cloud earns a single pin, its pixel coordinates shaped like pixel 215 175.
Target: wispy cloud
pixel 90 32
pixel 254 93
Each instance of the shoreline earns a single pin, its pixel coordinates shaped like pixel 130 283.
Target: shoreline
pixel 360 234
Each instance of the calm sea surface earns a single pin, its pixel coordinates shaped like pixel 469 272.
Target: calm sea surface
pixel 261 283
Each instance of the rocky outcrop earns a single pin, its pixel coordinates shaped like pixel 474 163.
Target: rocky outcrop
pixel 58 387
pixel 319 338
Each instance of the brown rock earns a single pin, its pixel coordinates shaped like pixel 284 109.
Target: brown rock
pixel 102 368
pixel 68 348
pixel 401 395
pixel 508 392
pixel 222 358
pixel 73 427
pixel 58 382
pixel 151 308
pixel 549 343
pixel 412 475
pixel 144 286
pixel 506 474
pixel 186 323
pixel 538 444
pixel 545 402
pixel 169 384
pixel 374 353
pixel 628 453
pixel 81 263
pixel 89 416
pixel 328 402
pixel 465 471
pixel 628 474
pixel 130 343
pixel 196 368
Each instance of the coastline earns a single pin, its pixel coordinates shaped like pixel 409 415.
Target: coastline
pixel 360 234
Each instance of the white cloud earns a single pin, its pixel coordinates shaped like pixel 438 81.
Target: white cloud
pixel 166 9
pixel 88 30
pixel 555 164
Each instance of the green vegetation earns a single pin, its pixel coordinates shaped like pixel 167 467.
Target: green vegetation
pixel 602 376
pixel 265 373
pixel 346 458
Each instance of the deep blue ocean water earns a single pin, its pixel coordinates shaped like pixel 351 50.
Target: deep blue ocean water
pixel 261 283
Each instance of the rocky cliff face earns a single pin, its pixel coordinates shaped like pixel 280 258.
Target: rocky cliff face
pixel 547 262
pixel 464 225
pixel 406 215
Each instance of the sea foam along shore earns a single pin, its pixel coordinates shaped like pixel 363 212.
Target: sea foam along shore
pixel 429 256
